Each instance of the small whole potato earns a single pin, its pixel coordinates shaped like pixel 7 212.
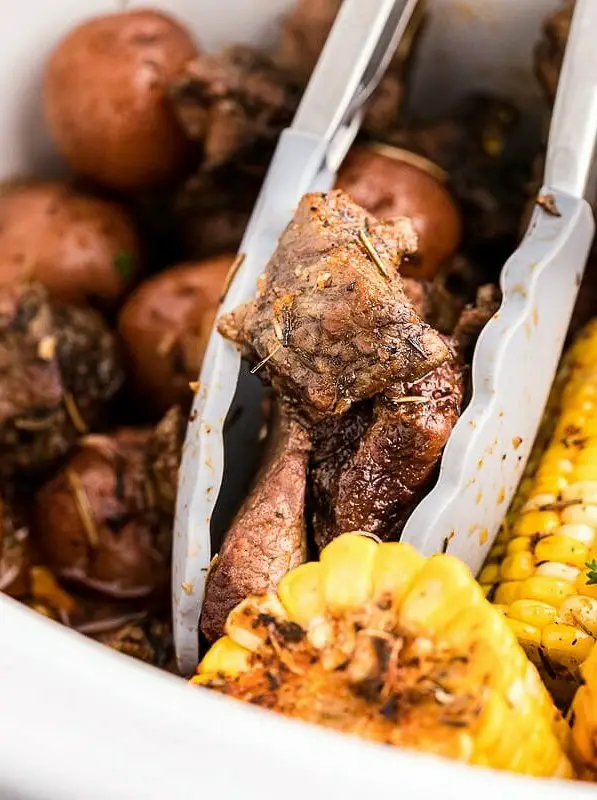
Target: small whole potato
pixel 165 325
pixel 95 523
pixel 81 248
pixel 105 98
pixel 390 187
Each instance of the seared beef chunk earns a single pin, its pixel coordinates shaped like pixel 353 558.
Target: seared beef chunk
pixel 163 453
pixel 212 209
pixel 476 147
pixel 330 324
pixel 105 519
pixel 368 475
pixel 268 536
pixel 474 318
pixel 549 53
pixel 232 101
pixel 58 369
pixel 15 546
pixel 304 33
pixel 149 640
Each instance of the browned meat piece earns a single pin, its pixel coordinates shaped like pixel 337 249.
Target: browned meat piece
pixel 212 209
pixel 474 318
pixel 231 101
pixel 330 324
pixel 163 452
pixel 304 32
pixel 418 294
pixel 15 547
pixel 372 482
pixel 549 52
pixel 149 640
pixel 268 536
pixel 98 522
pixel 58 369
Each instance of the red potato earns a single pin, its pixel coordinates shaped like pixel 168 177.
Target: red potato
pixel 105 98
pixel 390 187
pixel 79 247
pixel 165 326
pixel 98 521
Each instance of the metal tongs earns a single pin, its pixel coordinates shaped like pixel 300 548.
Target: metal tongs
pixel 518 351
pixel 358 50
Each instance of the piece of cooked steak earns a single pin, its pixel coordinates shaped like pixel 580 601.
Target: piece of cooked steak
pixel 370 480
pixel 268 536
pixel 330 324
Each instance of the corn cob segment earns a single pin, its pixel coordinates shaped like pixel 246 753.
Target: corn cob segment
pixel 376 640
pixel 539 570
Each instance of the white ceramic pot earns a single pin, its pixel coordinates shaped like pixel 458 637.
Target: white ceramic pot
pixel 78 721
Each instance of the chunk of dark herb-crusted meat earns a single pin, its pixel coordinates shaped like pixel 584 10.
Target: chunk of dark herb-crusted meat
pixel 474 317
pixel 163 454
pixel 304 32
pixel 372 482
pixel 58 368
pixel 268 535
pixel 212 209
pixel 549 52
pixel 231 101
pixel 330 324
pixel 149 640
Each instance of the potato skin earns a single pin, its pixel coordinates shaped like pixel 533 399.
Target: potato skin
pixel 105 98
pixel 106 480
pixel 389 187
pixel 165 325
pixel 81 248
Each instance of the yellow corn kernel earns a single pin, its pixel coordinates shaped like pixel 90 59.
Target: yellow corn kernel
pixel 225 656
pixel 536 522
pixel 580 612
pixel 347 571
pixel 395 567
pixel 580 514
pixel 537 502
pixel 532 612
pixel 300 591
pixel 558 571
pixel 583 492
pixel 443 588
pixel 527 634
pixel 580 533
pixel 563 549
pixel 584 472
pixel 545 589
pixel 518 566
pixel 519 544
pixel 566 644
pixel 491 746
pixel 240 621
pixel 507 592
pixel 555 484
pixel 490 574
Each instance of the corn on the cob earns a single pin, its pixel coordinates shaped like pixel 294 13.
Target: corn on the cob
pixel 583 718
pixel 539 571
pixel 376 640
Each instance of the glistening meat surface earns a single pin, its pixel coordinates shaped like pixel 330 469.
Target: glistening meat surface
pixel 330 324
